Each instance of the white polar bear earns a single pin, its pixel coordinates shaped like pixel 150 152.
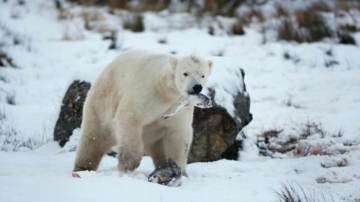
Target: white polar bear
pixel 124 110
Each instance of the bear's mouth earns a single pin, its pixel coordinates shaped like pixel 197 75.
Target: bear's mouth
pixel 192 93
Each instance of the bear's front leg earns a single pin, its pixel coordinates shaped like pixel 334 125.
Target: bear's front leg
pixel 130 148
pixel 176 146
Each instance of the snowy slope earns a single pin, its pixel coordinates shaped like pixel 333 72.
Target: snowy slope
pixel 285 94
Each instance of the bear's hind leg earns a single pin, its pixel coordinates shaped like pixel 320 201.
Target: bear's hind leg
pixel 130 148
pixel 90 150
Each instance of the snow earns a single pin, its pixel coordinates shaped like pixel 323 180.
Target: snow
pixel 285 94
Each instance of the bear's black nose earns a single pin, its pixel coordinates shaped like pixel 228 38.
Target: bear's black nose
pixel 197 89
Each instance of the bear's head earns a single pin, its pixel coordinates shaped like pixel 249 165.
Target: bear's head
pixel 191 73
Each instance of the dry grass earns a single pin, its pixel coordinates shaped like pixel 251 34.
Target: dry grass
pixel 314 25
pixel 294 192
pixel 281 11
pixel 92 16
pixel 306 25
pixel 286 31
pixel 340 163
pixel 72 32
pixel 253 14
pixel 134 23
pixel 6 61
pixel 237 28
pixel 347 5
pixel 220 7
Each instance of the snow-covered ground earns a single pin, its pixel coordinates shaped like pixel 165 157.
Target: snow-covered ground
pixel 285 95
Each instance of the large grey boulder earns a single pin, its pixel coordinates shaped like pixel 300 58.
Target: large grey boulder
pixel 215 129
pixel 71 111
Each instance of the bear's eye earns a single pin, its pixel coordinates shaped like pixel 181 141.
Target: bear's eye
pixel 202 76
pixel 185 74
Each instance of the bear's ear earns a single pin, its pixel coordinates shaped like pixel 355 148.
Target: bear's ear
pixel 210 64
pixel 172 63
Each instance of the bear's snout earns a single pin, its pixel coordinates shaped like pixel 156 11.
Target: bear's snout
pixel 197 89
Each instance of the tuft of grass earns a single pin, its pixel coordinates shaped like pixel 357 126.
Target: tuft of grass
pixel 347 5
pixel 237 28
pixel 6 61
pixel 294 192
pixel 10 99
pixel 348 28
pixel 346 38
pixel 313 24
pixel 135 24
pixel 12 139
pixel 286 31
pixel 281 11
pixel 253 14
pixel 308 25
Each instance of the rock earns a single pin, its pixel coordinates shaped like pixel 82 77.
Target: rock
pixel 71 111
pixel 216 129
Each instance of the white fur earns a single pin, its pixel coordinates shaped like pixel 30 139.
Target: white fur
pixel 124 109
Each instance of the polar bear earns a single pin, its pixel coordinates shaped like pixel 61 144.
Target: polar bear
pixel 124 110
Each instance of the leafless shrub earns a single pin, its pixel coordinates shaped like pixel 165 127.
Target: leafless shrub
pixel 294 192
